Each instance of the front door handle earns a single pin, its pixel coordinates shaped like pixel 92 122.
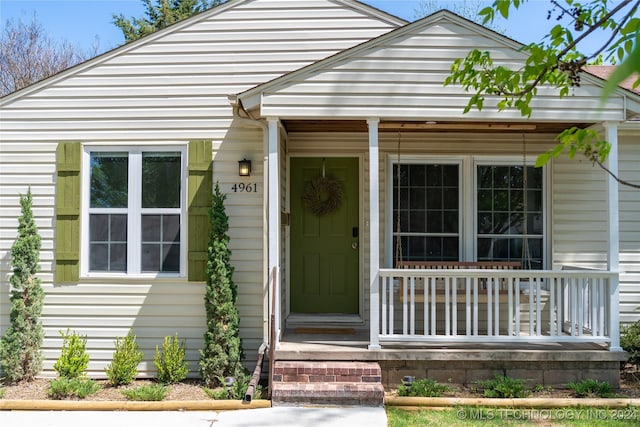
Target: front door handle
pixel 354 245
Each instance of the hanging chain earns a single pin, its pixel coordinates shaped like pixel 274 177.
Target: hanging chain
pixel 526 254
pixel 398 227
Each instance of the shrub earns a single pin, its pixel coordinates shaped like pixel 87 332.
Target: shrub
pixel 590 388
pixel 221 355
pixel 151 392
pixel 170 362
pixel 123 368
pixel 425 387
pixel 236 391
pixel 630 342
pixel 503 386
pixel 62 388
pixel 20 357
pixel 2 392
pixel 220 393
pixel 74 359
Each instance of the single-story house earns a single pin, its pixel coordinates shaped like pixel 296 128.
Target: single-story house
pixel 376 222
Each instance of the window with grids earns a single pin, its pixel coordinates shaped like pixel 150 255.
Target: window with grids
pixel 135 211
pixel 429 209
pixel 502 214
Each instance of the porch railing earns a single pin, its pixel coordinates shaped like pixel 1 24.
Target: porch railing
pixel 422 305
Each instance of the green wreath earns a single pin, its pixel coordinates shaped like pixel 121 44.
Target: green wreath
pixel 323 195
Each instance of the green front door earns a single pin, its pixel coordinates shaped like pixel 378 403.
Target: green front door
pixel 325 248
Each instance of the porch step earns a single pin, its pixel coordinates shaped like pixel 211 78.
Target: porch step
pixel 330 382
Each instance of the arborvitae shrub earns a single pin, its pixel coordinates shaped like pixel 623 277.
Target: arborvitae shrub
pixel 20 357
pixel 170 362
pixel 123 368
pixel 74 359
pixel 222 353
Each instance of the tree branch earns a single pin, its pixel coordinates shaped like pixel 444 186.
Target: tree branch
pixel 550 68
pixel 620 181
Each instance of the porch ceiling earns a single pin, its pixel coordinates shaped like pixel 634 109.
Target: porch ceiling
pixel 439 126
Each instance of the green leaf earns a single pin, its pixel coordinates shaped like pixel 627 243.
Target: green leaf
pixel 543 159
pixel 503 7
pixel 630 65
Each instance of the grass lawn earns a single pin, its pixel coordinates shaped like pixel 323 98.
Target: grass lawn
pixel 470 416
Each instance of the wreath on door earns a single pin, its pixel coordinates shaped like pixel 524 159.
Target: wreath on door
pixel 323 195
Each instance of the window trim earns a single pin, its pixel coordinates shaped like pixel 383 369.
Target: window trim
pixel 467 198
pixel 134 213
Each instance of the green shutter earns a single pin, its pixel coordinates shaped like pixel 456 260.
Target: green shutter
pixel 200 188
pixel 67 257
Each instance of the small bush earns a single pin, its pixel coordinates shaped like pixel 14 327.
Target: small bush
pixel 151 392
pixel 219 393
pixel 630 342
pixel 123 368
pixel 2 392
pixel 74 359
pixel 425 387
pixel 170 362
pixel 236 391
pixel 63 387
pixel 590 388
pixel 503 386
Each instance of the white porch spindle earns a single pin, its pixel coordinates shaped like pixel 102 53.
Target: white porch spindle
pixel 274 217
pixel 374 236
pixel 613 262
pixel 499 305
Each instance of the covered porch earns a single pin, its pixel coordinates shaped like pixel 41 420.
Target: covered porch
pixel 408 308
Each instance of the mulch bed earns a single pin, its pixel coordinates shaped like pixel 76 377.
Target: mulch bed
pixel 192 389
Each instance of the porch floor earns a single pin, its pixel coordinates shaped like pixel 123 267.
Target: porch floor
pixel 353 345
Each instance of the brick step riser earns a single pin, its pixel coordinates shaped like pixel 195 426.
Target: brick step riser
pixel 339 372
pixel 326 378
pixel 333 383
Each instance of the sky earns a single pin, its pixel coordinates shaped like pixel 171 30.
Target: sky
pixel 88 23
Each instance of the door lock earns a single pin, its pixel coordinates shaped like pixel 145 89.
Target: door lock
pixel 354 245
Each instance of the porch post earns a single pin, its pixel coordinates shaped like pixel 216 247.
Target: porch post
pixel 274 220
pixel 374 236
pixel 613 258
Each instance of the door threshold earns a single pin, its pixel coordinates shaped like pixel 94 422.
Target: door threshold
pixel 324 319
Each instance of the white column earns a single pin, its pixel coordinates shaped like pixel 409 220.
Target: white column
pixel 613 258
pixel 374 236
pixel 274 218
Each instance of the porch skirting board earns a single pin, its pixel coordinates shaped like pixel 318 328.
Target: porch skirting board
pixel 556 374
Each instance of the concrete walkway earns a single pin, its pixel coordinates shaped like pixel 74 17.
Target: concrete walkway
pixel 280 416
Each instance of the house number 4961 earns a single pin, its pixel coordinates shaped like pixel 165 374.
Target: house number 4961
pixel 245 188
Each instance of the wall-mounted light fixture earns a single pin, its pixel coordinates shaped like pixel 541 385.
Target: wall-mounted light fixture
pixel 244 167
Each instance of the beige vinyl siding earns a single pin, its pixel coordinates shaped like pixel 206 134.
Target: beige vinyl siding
pixel 629 155
pixel 168 88
pixel 401 75
pixel 580 214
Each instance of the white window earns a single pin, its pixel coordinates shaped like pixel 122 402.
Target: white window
pixel 429 211
pixel 510 212
pixel 446 213
pixel 134 211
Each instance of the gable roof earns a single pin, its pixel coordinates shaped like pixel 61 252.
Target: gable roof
pixel 355 5
pixel 469 35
